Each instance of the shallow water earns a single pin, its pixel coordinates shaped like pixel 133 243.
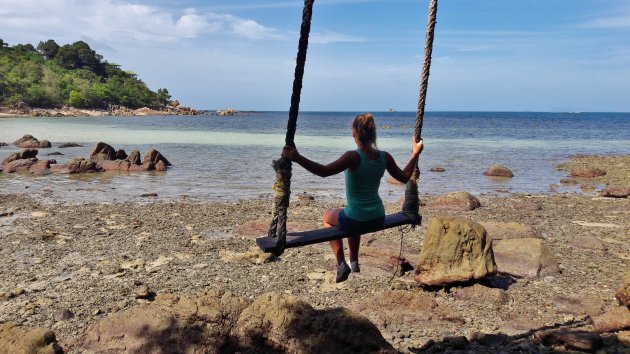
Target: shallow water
pixel 227 158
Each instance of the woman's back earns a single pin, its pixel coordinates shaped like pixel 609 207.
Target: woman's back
pixel 362 183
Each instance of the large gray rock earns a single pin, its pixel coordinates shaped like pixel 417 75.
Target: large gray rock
pixel 524 258
pixel 27 340
pixel 454 250
pixel 458 201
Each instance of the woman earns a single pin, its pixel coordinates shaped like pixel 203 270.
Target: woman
pixel 363 169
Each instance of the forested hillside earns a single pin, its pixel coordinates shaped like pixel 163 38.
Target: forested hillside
pixel 50 75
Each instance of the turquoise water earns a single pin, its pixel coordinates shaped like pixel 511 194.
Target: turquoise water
pixel 228 158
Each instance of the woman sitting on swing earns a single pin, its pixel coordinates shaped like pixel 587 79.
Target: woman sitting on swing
pixel 363 169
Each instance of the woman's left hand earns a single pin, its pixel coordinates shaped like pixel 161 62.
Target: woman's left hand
pixel 289 152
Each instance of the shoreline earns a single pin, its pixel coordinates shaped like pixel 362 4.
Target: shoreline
pixel 66 111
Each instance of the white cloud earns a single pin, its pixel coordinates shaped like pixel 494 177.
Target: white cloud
pixel 119 21
pixel 611 22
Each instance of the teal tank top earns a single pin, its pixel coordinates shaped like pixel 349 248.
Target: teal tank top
pixel 363 201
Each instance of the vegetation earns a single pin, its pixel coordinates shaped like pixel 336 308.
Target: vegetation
pixel 73 74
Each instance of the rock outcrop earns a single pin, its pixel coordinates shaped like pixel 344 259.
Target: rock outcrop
pixel 454 250
pixel 30 142
pixel 23 339
pixel 219 322
pixel 623 294
pixel 462 201
pixel 103 151
pixel 154 156
pixel 524 258
pixel 499 170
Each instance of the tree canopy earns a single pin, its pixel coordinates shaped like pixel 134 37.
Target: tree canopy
pixel 73 74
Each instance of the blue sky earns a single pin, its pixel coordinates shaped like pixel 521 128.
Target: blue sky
pixel 364 55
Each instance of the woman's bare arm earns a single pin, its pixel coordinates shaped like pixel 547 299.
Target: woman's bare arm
pixel 349 159
pixel 405 174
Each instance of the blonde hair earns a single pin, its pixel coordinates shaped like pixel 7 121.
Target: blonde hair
pixel 365 129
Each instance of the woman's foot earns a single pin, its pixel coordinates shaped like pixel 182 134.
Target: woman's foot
pixel 343 271
pixel 354 266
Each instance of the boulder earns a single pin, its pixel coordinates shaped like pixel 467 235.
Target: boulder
pixel 612 321
pixel 462 201
pixel 134 157
pixel 586 172
pixel 454 250
pixel 3 144
pixel 616 192
pixel 524 258
pixel 77 165
pixel 154 156
pixel 31 340
pixel 102 151
pixel 571 340
pixel 623 294
pixel 121 154
pixel 117 165
pixel 509 230
pixel 220 322
pixel 45 144
pixel 25 154
pixel 379 256
pixel 27 141
pixel 19 165
pixel 171 324
pixel 499 170
pixel 286 324
pixel 41 168
pixel 482 294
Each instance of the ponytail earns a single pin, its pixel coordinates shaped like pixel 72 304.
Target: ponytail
pixel 365 129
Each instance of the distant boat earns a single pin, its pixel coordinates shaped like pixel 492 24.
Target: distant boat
pixel 392 110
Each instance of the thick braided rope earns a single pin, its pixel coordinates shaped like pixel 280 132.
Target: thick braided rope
pixel 282 166
pixel 412 202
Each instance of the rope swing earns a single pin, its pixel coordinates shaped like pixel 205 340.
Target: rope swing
pixel 282 187
pixel 276 240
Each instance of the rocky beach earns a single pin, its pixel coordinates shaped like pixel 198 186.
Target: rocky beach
pixel 185 276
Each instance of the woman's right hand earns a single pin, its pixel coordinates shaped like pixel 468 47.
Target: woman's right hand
pixel 290 153
pixel 418 146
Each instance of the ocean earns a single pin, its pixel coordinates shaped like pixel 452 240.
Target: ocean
pixel 219 158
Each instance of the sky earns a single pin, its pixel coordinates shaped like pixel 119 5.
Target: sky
pixel 364 55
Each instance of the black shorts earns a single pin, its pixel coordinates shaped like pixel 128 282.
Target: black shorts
pixel 358 227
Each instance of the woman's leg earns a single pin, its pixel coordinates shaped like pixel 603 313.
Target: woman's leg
pixel 353 244
pixel 331 218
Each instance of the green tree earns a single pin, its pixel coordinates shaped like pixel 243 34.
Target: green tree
pixel 163 96
pixel 49 49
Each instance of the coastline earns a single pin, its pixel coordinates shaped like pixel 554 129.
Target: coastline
pixel 66 111
pixel 89 258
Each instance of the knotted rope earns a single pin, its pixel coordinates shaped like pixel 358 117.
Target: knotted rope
pixel 411 206
pixel 282 166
